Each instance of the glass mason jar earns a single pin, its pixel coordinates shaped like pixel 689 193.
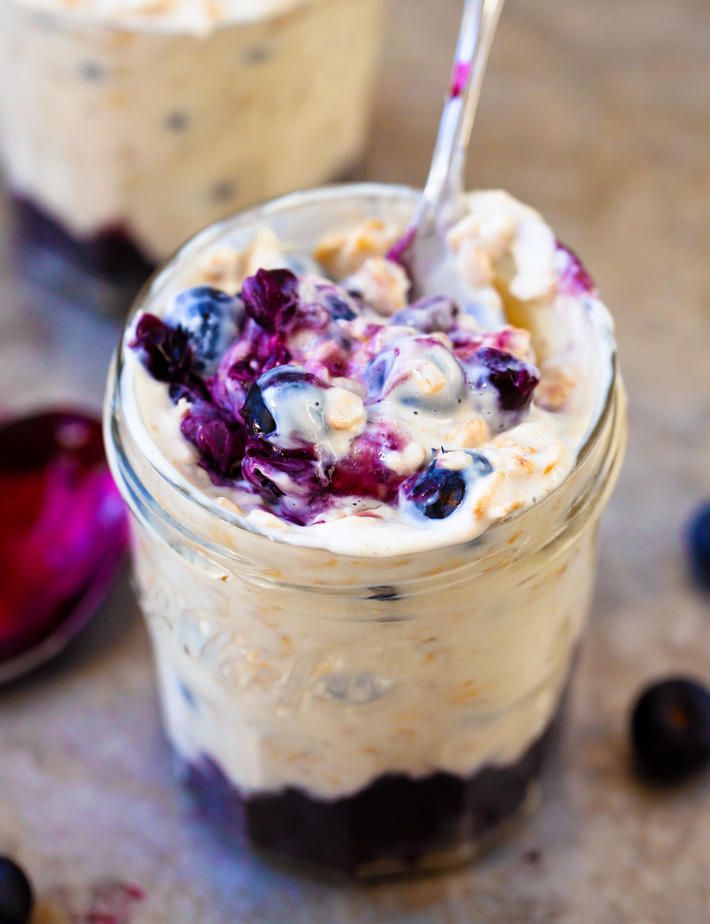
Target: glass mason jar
pixel 124 132
pixel 358 715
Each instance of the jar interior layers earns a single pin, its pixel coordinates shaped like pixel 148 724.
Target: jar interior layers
pixel 377 731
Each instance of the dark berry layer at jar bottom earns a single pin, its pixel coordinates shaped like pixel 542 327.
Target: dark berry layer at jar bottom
pixel 103 272
pixel 395 825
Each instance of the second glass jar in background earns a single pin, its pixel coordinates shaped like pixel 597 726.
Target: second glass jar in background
pixel 122 135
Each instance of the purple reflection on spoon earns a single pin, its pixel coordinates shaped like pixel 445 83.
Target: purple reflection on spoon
pixel 63 534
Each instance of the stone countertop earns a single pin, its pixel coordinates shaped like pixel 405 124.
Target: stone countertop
pixel 599 115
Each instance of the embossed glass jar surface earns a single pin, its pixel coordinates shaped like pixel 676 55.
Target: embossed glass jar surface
pixel 359 715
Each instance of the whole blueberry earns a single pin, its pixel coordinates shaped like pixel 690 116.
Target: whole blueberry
pixel 437 491
pixel 698 544
pixel 210 318
pixel 256 414
pixel 286 406
pixel 16 897
pixel 670 728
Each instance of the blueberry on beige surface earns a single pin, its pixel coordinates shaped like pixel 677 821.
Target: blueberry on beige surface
pixel 16 898
pixel 670 727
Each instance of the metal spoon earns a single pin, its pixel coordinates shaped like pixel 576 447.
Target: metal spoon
pixel 63 534
pixel 423 249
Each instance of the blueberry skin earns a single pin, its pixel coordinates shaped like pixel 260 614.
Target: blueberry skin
pixel 670 729
pixel 256 414
pixel 16 898
pixel 437 492
pixel 513 380
pixel 698 545
pixel 164 351
pixel 210 318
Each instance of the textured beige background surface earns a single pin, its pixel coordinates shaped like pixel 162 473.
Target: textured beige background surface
pixel 598 113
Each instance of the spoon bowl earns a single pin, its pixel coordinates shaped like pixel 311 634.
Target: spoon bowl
pixel 63 534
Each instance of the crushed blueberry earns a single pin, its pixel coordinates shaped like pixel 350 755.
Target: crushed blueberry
pixel 164 351
pixel 210 318
pixel 220 440
pixel 512 380
pixel 297 472
pixel 271 297
pixel 573 278
pixel 16 897
pixel 363 472
pixel 670 728
pixel 698 545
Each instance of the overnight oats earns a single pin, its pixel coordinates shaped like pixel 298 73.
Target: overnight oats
pixel 128 125
pixel 364 523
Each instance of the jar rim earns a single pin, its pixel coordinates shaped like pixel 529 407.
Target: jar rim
pixel 202 503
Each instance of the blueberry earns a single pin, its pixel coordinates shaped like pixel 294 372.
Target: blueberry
pixel 286 406
pixel 271 297
pixel 16 897
pixel 164 351
pixel 256 415
pixel 670 728
pixel 698 544
pixel 219 439
pixel 210 318
pixel 513 380
pixel 437 491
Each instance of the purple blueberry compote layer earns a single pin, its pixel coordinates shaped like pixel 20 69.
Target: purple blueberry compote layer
pixel 300 393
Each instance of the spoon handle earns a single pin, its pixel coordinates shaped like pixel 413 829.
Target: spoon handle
pixel 446 174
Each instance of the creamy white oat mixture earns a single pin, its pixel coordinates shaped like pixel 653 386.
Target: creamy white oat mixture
pixel 156 119
pixel 383 408
pixel 422 668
